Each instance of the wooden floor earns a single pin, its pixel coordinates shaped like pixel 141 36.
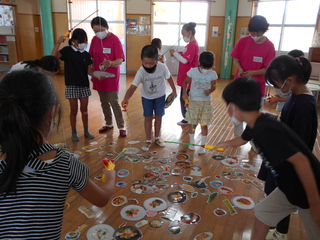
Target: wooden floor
pixel 229 227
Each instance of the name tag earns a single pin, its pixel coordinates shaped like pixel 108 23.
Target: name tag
pixel 257 59
pixel 107 50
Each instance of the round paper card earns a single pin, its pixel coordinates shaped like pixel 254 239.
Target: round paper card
pixel 204 236
pixel 155 204
pixel 133 212
pixel 100 231
pixel 243 202
pixel 230 162
pixel 103 74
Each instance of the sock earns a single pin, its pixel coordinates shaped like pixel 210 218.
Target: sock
pixel 75 137
pixel 156 138
pixel 87 133
pixel 191 139
pixel 203 142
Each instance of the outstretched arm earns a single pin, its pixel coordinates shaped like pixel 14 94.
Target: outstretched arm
pixel 236 142
pixel 55 51
pixel 100 196
pixel 173 87
pixel 128 95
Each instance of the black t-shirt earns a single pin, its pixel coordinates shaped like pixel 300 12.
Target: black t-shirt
pixel 300 113
pixel 75 66
pixel 276 142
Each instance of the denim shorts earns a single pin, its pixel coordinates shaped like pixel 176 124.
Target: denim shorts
pixel 153 106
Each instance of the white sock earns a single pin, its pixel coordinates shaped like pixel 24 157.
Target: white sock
pixel 191 137
pixel 203 142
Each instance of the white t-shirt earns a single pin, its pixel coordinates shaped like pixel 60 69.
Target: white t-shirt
pixel 200 82
pixel 153 84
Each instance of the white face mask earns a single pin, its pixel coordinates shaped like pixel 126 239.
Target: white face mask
pixel 233 118
pixel 279 92
pixel 102 34
pixel 186 39
pixel 256 39
pixel 82 46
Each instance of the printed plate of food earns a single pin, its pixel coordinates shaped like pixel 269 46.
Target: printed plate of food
pixel 119 200
pixel 219 212
pixel 177 171
pixel 132 159
pixel 141 189
pixel 123 173
pixel 216 184
pixel 230 162
pixel 246 166
pixel 218 157
pixel 203 236
pixel 127 232
pixel 151 176
pixel 177 197
pixel 155 204
pixel 184 164
pixel 100 231
pixel 133 212
pixel 182 157
pixel 243 202
pixel 226 190
pixel 187 188
pixel 191 218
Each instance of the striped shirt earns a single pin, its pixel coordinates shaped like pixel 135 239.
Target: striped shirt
pixel 36 210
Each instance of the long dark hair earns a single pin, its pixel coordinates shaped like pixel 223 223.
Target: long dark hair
pixel 48 63
pixel 285 66
pixel 26 97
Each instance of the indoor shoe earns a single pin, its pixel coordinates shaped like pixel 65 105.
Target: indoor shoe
pixel 105 128
pixel 275 235
pixel 160 143
pixel 146 146
pixel 191 148
pixel 123 133
pixel 182 122
pixel 202 150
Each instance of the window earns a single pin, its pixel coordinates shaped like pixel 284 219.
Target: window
pixel 292 23
pixel 111 10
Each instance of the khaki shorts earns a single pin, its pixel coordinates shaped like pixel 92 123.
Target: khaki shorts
pixel 275 207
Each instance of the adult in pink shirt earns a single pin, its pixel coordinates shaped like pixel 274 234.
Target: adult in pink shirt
pixel 107 55
pixel 252 55
pixel 187 59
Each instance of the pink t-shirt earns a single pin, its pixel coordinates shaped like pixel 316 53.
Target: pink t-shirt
pixel 191 54
pixel 254 56
pixel 109 48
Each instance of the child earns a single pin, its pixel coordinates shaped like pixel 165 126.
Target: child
pixel 200 109
pixel 158 44
pixel 77 67
pixel 280 98
pixel 289 76
pixel 295 169
pixel 153 75
pixel 35 176
pixel 48 64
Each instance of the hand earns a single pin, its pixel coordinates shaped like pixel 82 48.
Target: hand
pixel 185 97
pixel 247 74
pixel 174 94
pixel 172 51
pixel 109 174
pixel 124 103
pixel 207 92
pixel 223 145
pixel 61 39
pixel 107 63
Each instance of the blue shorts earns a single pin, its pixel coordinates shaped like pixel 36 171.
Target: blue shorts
pixel 155 106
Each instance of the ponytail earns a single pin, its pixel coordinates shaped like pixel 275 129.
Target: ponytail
pixel 305 67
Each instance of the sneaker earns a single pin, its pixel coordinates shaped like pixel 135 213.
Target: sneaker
pixel 273 234
pixel 105 128
pixel 183 123
pixel 146 146
pixel 160 143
